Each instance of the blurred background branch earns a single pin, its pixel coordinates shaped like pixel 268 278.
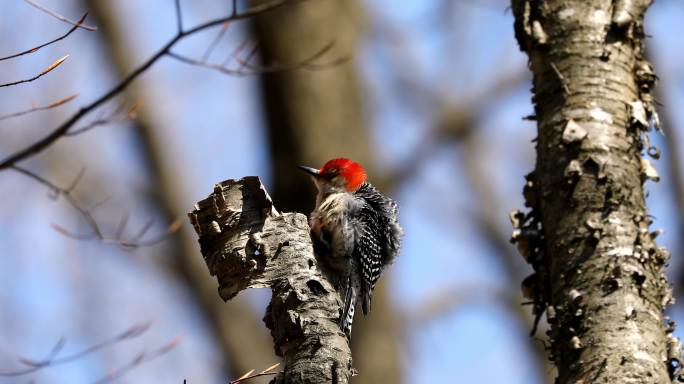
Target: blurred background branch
pixel 237 330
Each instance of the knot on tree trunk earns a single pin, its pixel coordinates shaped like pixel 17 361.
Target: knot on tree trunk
pixel 247 243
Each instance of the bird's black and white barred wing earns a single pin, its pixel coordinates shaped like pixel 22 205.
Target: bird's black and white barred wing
pixel 368 251
pixel 377 238
pixel 390 232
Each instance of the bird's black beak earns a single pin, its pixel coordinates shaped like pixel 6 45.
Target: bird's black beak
pixel 311 171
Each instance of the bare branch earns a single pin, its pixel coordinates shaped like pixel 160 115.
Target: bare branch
pixel 60 131
pixel 45 71
pixel 59 17
pixel 55 104
pixel 235 7
pixel 246 68
pixel 36 48
pixel 52 359
pixel 86 214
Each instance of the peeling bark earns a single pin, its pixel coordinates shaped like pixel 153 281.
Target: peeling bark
pixel 599 274
pixel 246 243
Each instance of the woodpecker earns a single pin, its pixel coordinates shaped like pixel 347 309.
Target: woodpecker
pixel 355 230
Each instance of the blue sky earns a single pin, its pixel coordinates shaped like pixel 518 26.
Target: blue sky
pixel 52 286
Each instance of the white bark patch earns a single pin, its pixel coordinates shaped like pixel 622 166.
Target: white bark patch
pixel 573 169
pixel 634 337
pixel 654 315
pixel 641 355
pixel 622 18
pixel 215 227
pixel 576 343
pixel 638 113
pixel 648 170
pixel 620 251
pixel 599 17
pixel 573 132
pixel 596 114
pixel 538 33
pixel 566 13
pixel 600 115
pixel 629 312
pixel 615 220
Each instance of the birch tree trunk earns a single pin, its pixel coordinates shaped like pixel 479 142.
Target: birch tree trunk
pixel 599 274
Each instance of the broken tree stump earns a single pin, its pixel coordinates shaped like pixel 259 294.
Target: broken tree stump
pixel 247 243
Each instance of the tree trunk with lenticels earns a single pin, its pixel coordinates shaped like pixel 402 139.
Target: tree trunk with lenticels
pixel 599 274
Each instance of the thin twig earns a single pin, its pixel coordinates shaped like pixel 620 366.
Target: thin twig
pixel 60 17
pixel 53 188
pixel 96 232
pixel 215 42
pixel 246 68
pixel 235 52
pixel 59 132
pixel 36 48
pixel 255 376
pixel 122 226
pixel 42 108
pixel 251 54
pixel 93 124
pixel 251 375
pixel 141 358
pixel 45 71
pixel 179 17
pixel 52 359
pixel 102 120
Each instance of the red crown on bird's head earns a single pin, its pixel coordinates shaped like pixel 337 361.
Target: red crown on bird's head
pixel 352 172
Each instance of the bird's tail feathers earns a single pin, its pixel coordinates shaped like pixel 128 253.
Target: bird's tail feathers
pixel 348 310
pixel 366 303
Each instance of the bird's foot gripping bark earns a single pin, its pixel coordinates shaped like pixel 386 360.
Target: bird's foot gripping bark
pixel 247 243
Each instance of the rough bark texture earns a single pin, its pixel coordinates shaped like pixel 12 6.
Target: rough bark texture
pixel 235 326
pixel 599 273
pixel 314 116
pixel 246 243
